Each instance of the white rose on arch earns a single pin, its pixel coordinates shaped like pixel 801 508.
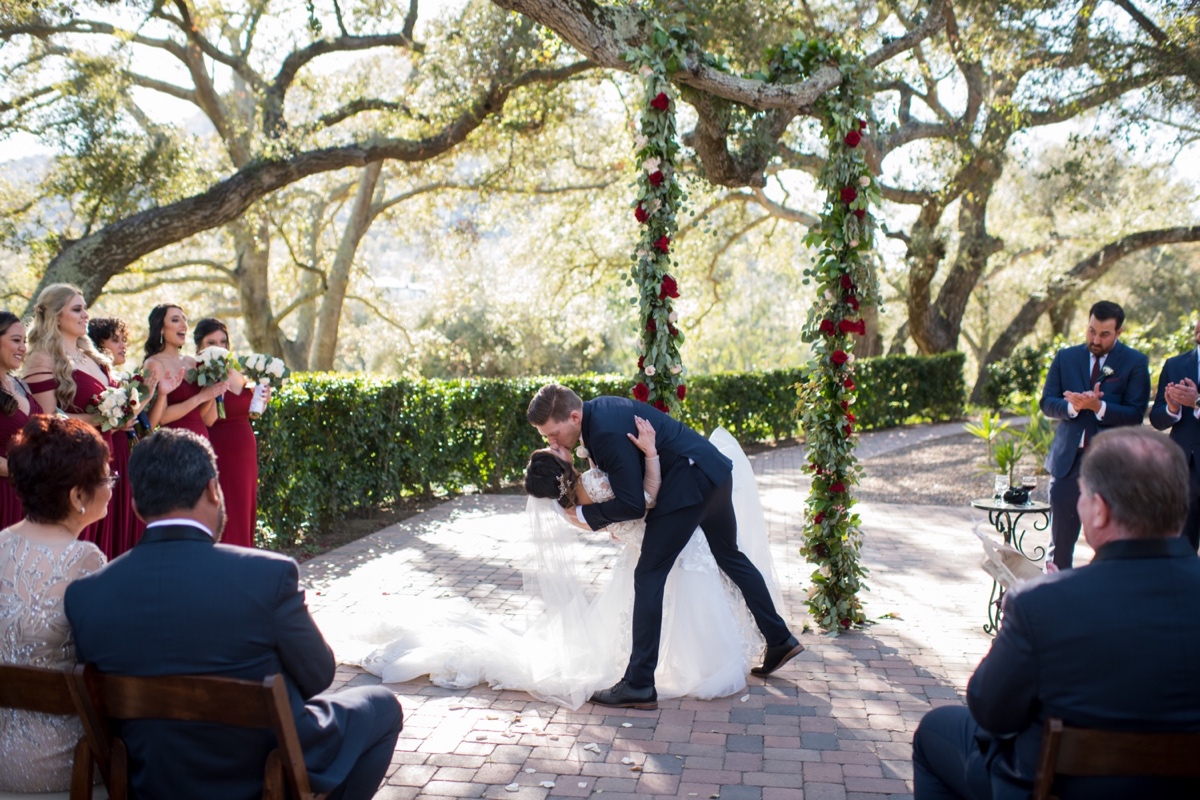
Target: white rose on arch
pixel 650 370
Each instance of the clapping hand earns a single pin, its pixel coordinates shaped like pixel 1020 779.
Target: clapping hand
pixel 1181 394
pixel 1085 401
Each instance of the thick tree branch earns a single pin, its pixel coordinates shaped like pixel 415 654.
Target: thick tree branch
pixel 605 33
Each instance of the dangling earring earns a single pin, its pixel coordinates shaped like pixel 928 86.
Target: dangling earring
pixel 162 338
pixel 82 510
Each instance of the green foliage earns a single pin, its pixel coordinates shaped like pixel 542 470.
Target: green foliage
pixel 332 444
pixel 1013 381
pixel 1008 450
pixel 659 197
pixel 1039 433
pixel 987 430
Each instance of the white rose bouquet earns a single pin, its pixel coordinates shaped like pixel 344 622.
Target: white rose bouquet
pixel 265 371
pixel 116 406
pixel 212 366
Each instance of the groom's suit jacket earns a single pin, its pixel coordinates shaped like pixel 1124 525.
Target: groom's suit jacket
pixel 177 604
pixel 690 464
pixel 1185 432
pixel 1126 393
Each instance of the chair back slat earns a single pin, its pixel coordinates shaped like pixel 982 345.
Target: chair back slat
pixel 192 698
pixel 35 689
pixel 1083 752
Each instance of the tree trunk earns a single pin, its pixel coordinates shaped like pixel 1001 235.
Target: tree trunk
pixel 1066 288
pixel 252 237
pixel 330 315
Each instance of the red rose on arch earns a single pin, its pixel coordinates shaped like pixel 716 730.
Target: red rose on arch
pixel 847 431
pixel 849 195
pixel 640 213
pixel 661 406
pixel 847 283
pixel 661 101
pixel 827 327
pixel 672 330
pixel 838 488
pixel 847 326
pixel 641 362
pixel 651 326
pixel 821 551
pixel 846 622
pixel 862 124
pixel 852 138
pixel 669 287
pixel 681 391
pixel 664 246
pixel 656 178
pixel 849 384
pixel 851 418
pixel 845 405
pixel 819 518
pixel 851 301
pixel 839 357
pixel 641 392
pixel 861 213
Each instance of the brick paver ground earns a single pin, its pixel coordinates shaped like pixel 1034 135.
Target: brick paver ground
pixel 836 723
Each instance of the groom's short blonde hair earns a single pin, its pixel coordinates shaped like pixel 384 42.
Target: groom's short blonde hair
pixel 552 402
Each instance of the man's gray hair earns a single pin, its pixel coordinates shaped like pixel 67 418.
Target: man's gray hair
pixel 1142 476
pixel 169 470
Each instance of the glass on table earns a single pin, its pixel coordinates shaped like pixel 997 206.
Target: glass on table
pixel 1000 484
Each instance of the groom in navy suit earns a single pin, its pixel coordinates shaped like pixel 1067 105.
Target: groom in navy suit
pixel 1177 407
pixel 1090 387
pixel 697 491
pixel 180 604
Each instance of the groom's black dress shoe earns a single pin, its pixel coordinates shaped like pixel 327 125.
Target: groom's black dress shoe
pixel 777 656
pixel 622 695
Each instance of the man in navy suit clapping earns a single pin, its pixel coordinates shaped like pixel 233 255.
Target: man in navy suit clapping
pixel 1177 407
pixel 1090 387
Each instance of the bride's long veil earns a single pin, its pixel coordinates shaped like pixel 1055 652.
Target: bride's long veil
pixel 561 642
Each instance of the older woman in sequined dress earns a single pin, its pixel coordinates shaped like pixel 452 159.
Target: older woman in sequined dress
pixel 59 467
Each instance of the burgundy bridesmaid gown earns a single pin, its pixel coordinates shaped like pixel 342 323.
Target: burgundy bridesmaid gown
pixel 11 510
pixel 101 532
pixel 237 467
pixel 127 528
pixel 192 420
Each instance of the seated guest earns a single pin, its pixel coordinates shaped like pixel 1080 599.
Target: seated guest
pixel 180 604
pixel 1112 645
pixel 60 473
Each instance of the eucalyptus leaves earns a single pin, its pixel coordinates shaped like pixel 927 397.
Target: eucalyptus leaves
pixel 660 380
pixel 845 283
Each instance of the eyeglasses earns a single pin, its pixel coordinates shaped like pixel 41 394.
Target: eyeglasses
pixel 111 479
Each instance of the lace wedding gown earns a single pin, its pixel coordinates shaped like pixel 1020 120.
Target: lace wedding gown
pixel 576 645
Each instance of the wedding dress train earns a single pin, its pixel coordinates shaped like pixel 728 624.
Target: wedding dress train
pixel 575 644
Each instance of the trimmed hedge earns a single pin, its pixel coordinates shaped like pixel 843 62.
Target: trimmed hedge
pixel 332 444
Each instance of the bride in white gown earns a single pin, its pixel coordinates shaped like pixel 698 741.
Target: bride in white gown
pixel 577 644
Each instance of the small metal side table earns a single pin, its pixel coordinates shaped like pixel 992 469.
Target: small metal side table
pixel 1006 518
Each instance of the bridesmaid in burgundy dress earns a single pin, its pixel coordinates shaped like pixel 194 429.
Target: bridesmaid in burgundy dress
pixel 111 337
pixel 65 372
pixel 16 407
pixel 178 404
pixel 234 443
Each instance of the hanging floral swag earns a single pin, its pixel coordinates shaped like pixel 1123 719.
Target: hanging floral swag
pixel 660 372
pixel 845 283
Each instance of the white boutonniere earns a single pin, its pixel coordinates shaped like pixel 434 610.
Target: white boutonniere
pixel 1106 372
pixel 581 452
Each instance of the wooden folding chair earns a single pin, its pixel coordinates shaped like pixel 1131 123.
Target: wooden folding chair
pixel 48 691
pixel 191 698
pixel 1091 752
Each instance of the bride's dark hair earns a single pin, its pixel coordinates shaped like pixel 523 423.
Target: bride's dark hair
pixel 551 477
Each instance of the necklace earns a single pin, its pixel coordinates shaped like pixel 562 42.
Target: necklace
pixel 77 358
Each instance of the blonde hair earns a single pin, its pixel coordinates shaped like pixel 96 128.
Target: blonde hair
pixel 44 337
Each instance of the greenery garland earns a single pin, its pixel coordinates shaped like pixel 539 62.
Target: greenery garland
pixel 660 372
pixel 845 283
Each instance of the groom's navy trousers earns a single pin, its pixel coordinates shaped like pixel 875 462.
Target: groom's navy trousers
pixel 697 492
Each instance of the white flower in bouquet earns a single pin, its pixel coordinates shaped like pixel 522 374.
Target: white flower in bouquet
pixel 115 406
pixel 266 371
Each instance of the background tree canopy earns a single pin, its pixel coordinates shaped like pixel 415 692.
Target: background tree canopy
pixel 444 189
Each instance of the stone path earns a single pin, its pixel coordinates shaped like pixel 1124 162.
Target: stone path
pixel 835 723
